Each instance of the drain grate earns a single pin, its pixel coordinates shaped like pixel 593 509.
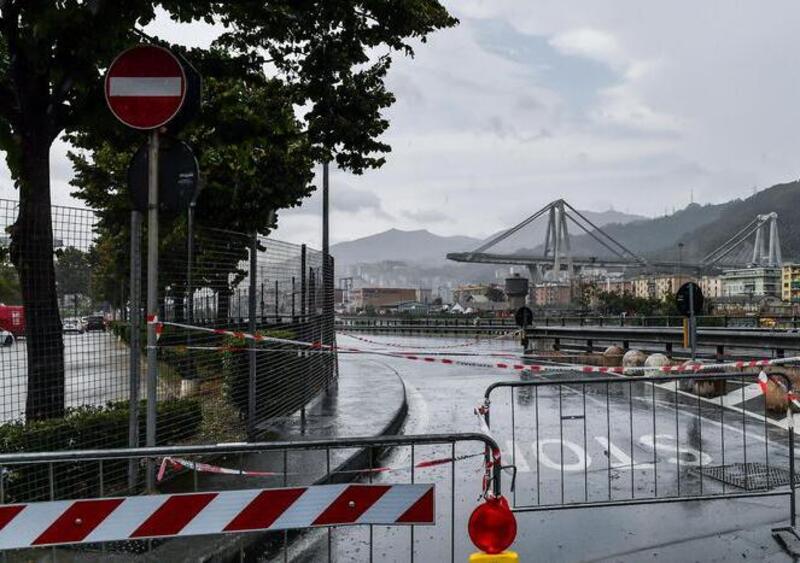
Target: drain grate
pixel 750 476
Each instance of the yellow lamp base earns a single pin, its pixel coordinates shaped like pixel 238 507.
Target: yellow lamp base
pixel 505 557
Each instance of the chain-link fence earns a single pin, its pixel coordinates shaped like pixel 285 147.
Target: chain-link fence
pixel 210 387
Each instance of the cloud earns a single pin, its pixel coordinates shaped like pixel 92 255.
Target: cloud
pixel 591 43
pixel 425 215
pixel 526 102
pixel 353 201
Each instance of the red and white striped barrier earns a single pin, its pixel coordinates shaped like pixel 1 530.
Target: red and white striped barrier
pixel 224 512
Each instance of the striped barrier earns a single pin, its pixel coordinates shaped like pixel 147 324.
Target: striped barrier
pixel 224 512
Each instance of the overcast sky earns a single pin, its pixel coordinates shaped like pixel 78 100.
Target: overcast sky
pixel 632 105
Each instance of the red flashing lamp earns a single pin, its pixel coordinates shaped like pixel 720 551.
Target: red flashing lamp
pixel 492 526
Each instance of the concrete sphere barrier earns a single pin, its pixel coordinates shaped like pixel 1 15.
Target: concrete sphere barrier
pixel 614 350
pixel 656 361
pixel 632 359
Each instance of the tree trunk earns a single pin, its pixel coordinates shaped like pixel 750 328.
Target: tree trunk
pixel 32 254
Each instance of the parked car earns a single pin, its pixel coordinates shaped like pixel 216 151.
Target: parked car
pixel 6 338
pixel 73 326
pixel 95 322
pixel 12 319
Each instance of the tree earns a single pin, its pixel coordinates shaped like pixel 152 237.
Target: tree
pixel 52 55
pixel 10 293
pixel 72 266
pixel 495 294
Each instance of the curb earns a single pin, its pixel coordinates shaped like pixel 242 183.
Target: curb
pixel 253 546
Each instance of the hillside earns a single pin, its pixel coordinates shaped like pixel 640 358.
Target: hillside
pixel 650 236
pixel 420 246
pixel 784 199
pixel 703 228
pixel 534 233
pixel 424 247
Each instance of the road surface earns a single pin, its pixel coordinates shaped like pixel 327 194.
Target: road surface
pixel 614 445
pixel 96 366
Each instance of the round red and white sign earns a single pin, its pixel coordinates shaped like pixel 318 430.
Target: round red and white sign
pixel 145 86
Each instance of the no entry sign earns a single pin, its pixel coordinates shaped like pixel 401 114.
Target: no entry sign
pixel 145 86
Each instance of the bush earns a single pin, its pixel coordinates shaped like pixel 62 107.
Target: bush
pixel 87 428
pixel 285 379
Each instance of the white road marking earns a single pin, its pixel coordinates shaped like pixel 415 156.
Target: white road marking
pixel 518 459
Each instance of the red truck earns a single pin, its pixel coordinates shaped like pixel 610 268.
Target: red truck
pixel 12 319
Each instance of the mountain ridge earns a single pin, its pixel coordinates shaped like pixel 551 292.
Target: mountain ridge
pixel 421 246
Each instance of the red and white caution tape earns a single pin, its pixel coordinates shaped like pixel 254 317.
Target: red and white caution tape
pixel 493 457
pixel 763 383
pixel 223 512
pixel 688 367
pixel 153 320
pixel 180 463
pixel 442 347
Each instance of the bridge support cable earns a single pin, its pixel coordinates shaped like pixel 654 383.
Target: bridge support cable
pixel 766 244
pixel 596 230
pixel 505 234
pixel 600 241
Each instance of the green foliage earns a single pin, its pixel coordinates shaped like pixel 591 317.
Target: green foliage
pixel 615 304
pixel 299 376
pixel 72 266
pixel 328 59
pixel 586 291
pixel 495 294
pixel 88 428
pixel 10 292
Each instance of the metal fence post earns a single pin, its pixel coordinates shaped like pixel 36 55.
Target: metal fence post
pixel 792 486
pixel 134 341
pixel 251 318
pixel 303 281
pixel 304 320
pixel 262 305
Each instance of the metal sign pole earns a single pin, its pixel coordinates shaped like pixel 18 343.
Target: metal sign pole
pixel 152 297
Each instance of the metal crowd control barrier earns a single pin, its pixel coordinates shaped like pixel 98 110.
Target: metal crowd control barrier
pixel 611 441
pixel 95 508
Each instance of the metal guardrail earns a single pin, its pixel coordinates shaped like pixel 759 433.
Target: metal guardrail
pixel 291 464
pixel 615 441
pixel 719 339
pixel 704 321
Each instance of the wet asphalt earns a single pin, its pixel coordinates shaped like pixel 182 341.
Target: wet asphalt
pixel 621 441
